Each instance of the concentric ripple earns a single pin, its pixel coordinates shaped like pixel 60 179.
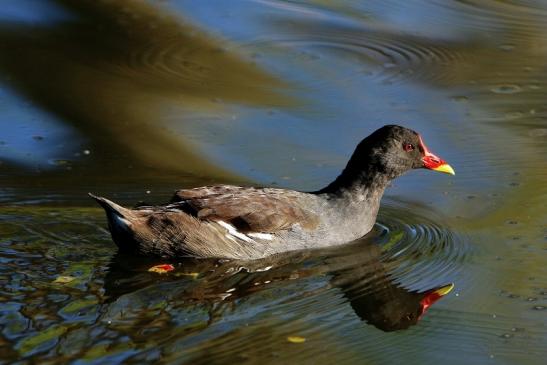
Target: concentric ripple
pixel 189 63
pixel 419 250
pixel 392 58
pixel 168 59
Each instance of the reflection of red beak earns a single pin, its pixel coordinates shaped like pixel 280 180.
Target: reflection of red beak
pixel 433 295
pixel 433 162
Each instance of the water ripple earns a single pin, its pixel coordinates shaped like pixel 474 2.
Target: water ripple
pixel 392 58
pixel 419 249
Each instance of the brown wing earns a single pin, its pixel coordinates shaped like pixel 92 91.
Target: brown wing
pixel 248 209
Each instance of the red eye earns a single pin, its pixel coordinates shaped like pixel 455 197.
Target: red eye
pixel 408 147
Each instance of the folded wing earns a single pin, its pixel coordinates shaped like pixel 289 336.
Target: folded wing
pixel 249 210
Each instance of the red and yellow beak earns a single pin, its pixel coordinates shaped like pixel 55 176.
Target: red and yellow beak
pixel 433 295
pixel 433 162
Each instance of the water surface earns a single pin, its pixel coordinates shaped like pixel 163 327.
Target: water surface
pixel 137 99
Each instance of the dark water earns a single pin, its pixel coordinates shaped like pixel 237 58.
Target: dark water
pixel 134 99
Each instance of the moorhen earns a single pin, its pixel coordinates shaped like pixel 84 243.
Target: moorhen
pixel 236 222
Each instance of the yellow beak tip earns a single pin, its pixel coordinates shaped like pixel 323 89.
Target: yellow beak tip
pixel 442 291
pixel 446 168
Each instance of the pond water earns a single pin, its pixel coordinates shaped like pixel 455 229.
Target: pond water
pixel 135 99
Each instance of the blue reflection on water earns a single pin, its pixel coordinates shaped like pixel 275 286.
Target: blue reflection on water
pixel 31 11
pixel 31 136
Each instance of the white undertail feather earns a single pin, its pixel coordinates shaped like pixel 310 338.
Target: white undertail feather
pixel 121 221
pixel 119 218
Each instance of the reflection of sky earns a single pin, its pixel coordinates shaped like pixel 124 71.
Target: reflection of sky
pixel 226 18
pixel 31 11
pixel 220 16
pixel 29 136
pixel 240 20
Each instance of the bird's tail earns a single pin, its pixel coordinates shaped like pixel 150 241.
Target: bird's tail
pixel 119 221
pixel 109 206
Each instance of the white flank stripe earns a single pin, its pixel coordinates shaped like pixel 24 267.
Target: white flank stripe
pixel 262 236
pixel 264 269
pixel 233 231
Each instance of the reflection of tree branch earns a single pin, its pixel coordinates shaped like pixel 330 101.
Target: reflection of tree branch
pixel 111 69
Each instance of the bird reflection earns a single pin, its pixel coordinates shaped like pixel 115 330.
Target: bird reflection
pixel 373 294
pixel 357 269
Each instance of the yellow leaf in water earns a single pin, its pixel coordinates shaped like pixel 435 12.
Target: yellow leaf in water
pixel 193 275
pixel 64 279
pixel 296 339
pixel 162 269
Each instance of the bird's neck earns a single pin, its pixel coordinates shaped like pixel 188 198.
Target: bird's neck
pixel 357 187
pixel 352 202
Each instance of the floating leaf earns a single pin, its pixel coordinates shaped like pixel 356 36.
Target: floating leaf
pixel 64 279
pixel 76 274
pixel 296 339
pixel 193 275
pixel 162 269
